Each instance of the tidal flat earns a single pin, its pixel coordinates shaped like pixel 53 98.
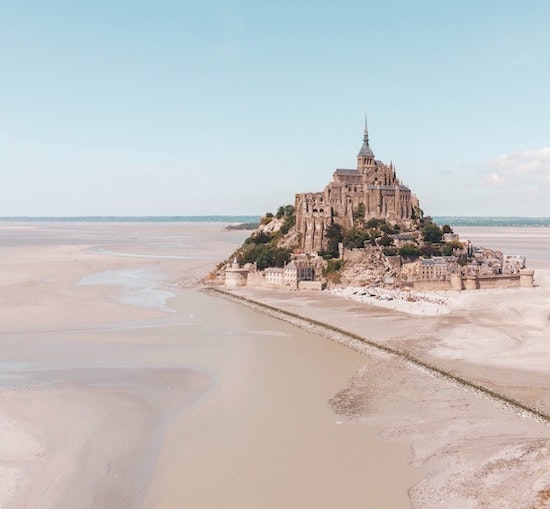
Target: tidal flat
pixel 124 385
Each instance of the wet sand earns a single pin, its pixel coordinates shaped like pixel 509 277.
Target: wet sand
pixel 475 451
pixel 121 388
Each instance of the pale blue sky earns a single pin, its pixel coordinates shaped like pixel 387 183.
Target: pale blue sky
pixel 230 107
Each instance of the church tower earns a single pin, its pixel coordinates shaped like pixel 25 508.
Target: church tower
pixel 365 158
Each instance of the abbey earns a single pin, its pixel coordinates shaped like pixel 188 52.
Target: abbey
pixel 372 187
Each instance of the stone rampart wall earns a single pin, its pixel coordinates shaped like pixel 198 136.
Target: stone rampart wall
pixel 427 285
pixel 255 279
pixel 310 285
pixel 470 283
pixel 498 281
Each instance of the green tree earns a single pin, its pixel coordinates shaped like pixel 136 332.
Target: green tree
pixel 356 237
pixel 284 210
pixel 281 257
pixel 389 251
pixel 410 251
pixel 449 247
pixel 261 238
pixel 359 213
pixel 374 222
pixel 334 235
pixel 386 228
pixel 432 233
pixel 417 213
pixel 385 240
pixel 289 210
pixel 429 250
pixel 289 222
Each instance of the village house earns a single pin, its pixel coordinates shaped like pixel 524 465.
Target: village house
pixel 290 276
pixel 297 271
pixel 274 276
pixel 436 268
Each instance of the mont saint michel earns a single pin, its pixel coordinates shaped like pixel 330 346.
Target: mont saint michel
pixel 366 229
pixel 372 187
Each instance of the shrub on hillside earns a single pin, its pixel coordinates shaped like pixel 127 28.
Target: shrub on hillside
pixel 410 251
pixel 432 233
pixel 429 250
pixel 356 237
pixel 449 248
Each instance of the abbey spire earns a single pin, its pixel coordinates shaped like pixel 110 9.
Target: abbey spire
pixel 365 157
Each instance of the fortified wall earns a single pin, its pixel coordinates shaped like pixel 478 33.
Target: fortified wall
pixel 524 279
pixel 372 186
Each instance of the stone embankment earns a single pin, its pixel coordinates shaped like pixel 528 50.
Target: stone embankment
pixel 367 346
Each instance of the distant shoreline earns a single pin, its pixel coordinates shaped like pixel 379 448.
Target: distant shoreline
pixel 132 219
pixel 493 221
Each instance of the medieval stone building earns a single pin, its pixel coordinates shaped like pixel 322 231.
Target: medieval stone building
pixel 371 187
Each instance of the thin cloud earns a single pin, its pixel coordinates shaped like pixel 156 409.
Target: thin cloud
pixel 522 173
pixel 494 179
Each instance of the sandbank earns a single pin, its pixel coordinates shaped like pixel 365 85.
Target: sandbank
pixel 122 387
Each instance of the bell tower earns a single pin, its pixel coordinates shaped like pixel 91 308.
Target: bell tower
pixel 365 157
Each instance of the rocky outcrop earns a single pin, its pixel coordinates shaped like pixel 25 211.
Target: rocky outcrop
pixel 366 267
